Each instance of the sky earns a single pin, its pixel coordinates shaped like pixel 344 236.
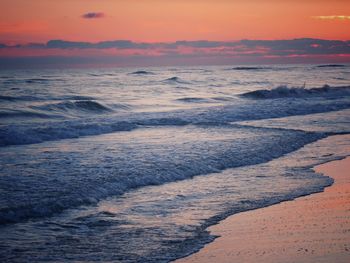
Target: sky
pixel 163 22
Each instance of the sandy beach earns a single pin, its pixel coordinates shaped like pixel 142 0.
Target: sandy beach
pixel 314 228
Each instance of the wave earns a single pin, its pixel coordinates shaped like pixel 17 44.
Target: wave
pixel 40 80
pixel 193 100
pixel 11 80
pixel 197 157
pixel 141 72
pixel 23 114
pixel 176 80
pixel 101 75
pixel 80 105
pixel 17 98
pixel 298 92
pixel 242 110
pixel 222 98
pixel 252 68
pixel 331 66
pixel 73 97
pixel 29 134
pixel 37 98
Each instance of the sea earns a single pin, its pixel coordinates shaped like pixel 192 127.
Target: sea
pixel 134 164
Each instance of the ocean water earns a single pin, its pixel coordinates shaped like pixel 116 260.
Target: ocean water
pixel 133 164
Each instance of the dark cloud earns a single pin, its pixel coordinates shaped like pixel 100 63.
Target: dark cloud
pixel 120 44
pixel 201 52
pixel 202 43
pixel 36 45
pixel 302 46
pixel 67 44
pixel 92 15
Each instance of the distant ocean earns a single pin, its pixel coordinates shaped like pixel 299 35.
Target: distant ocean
pixel 133 164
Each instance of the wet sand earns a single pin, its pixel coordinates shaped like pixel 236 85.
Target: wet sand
pixel 315 228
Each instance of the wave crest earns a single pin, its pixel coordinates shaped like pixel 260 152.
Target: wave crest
pixel 331 66
pixel 176 80
pixel 80 105
pixel 141 72
pixel 251 68
pixel 193 100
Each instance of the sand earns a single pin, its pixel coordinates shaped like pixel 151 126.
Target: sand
pixel 315 228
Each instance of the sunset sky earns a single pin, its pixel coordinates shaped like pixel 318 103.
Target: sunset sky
pixel 167 21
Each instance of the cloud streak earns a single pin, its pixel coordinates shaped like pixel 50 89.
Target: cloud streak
pixel 93 15
pixel 333 17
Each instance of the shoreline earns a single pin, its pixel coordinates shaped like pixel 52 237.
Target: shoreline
pixel 312 228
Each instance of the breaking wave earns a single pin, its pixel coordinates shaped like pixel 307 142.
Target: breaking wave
pixel 298 92
pixel 22 133
pixel 198 157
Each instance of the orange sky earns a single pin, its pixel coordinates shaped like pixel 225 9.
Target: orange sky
pixel 24 21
